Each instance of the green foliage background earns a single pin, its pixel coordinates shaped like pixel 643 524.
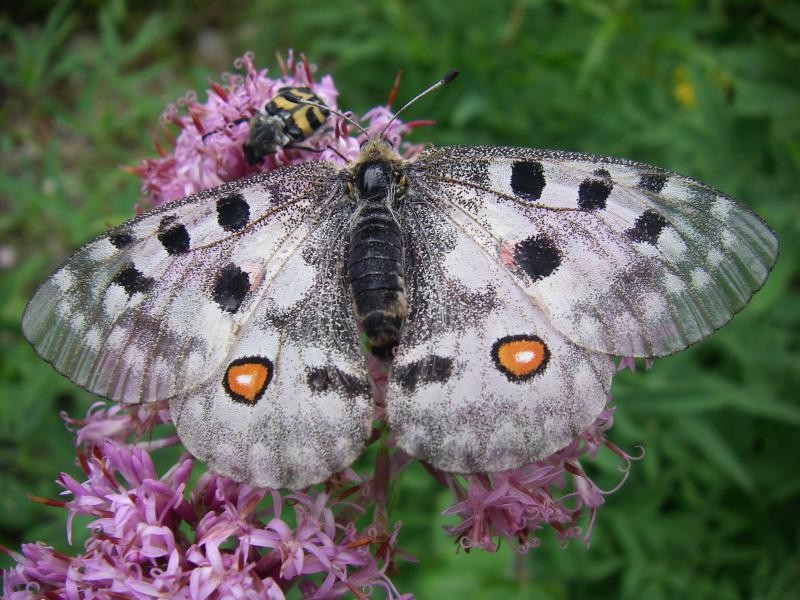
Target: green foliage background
pixel 709 89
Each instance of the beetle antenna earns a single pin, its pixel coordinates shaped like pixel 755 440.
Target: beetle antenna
pixel 336 112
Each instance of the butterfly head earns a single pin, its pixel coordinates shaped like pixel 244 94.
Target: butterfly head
pixel 377 149
pixel 377 168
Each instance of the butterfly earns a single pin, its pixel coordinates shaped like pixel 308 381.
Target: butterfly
pixel 496 284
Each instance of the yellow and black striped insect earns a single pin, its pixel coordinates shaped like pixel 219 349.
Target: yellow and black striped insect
pixel 284 122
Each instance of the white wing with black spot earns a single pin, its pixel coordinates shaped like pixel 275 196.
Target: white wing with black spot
pixel 232 304
pixel 145 310
pixel 619 256
pixel 291 403
pixel 482 381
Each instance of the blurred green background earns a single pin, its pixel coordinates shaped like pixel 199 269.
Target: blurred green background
pixel 709 89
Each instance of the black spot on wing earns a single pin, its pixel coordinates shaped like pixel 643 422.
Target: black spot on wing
pixel 173 236
pixel 132 280
pixel 230 288
pixel 324 379
pixel 121 238
pixel 537 256
pixel 647 228
pixel 527 179
pixel 233 212
pixel 593 193
pixel 431 369
pixel 653 182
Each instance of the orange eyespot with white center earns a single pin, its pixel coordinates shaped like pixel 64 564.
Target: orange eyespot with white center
pixel 520 357
pixel 247 378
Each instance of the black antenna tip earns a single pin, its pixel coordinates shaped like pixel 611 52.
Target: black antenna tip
pixel 450 76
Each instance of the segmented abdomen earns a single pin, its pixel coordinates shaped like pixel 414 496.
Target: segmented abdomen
pixel 375 275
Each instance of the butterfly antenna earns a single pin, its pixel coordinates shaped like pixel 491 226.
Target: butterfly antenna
pixel 443 81
pixel 335 112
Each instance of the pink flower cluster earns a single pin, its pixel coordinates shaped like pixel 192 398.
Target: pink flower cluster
pixel 515 504
pixel 155 537
pixel 160 538
pixel 208 149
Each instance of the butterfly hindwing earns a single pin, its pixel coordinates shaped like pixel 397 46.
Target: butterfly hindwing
pixel 150 308
pixel 481 381
pixel 622 257
pixel 291 402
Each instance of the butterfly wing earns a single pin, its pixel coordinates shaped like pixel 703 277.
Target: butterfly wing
pixel 143 311
pixel 218 302
pixel 481 380
pixel 531 270
pixel 621 257
pixel 291 404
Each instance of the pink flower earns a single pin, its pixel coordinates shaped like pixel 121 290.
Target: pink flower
pixel 118 422
pixel 515 504
pixel 238 546
pixel 208 149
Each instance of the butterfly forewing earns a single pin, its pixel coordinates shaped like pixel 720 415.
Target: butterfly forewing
pixel 147 310
pixel 623 257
